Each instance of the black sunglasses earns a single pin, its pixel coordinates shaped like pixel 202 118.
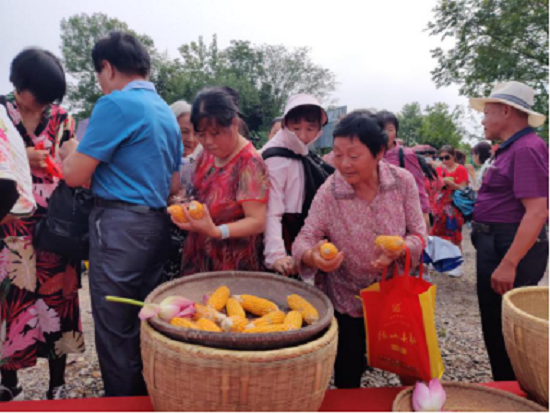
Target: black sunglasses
pixel 445 158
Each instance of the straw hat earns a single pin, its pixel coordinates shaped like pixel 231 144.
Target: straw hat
pixel 515 94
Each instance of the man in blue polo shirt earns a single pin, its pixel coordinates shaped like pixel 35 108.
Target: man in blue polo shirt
pixel 132 152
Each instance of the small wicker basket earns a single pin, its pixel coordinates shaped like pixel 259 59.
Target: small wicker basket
pixel 187 377
pixel 525 328
pixel 465 397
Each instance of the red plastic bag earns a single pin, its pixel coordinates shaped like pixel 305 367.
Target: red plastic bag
pixel 400 325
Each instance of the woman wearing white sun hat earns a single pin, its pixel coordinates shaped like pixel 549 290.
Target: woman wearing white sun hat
pixel 511 211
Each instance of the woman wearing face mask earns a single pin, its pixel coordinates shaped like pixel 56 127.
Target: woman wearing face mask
pixel 231 182
pixel 363 199
pixel 295 174
pixel 448 219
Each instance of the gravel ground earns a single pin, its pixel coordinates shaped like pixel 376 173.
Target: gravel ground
pixel 458 327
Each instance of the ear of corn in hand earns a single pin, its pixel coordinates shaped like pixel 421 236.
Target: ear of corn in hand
pixel 391 243
pixel 298 303
pixel 256 305
pixel 328 251
pixel 218 299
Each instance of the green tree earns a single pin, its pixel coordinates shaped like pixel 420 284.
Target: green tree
pixel 410 122
pixel 440 126
pixel 79 33
pixel 494 41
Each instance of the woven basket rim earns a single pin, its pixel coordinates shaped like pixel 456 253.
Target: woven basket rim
pixel 246 355
pixel 407 393
pixel 251 342
pixel 507 302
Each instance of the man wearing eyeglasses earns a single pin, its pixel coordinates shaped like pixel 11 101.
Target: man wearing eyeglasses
pixel 509 230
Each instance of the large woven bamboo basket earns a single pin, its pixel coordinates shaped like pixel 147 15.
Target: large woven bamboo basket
pixel 465 397
pixel 187 377
pixel 525 328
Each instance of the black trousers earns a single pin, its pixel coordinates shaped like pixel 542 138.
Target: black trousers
pixel 127 255
pixel 351 358
pixel 492 243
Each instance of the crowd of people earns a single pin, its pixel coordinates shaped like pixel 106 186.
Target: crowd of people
pixel 264 210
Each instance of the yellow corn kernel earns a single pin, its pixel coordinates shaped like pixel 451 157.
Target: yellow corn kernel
pixel 202 311
pixel 234 324
pixel 233 307
pixel 297 303
pixel 275 317
pixel 208 325
pixel 294 320
pixel 256 305
pixel 267 329
pixel 218 299
pixel 183 322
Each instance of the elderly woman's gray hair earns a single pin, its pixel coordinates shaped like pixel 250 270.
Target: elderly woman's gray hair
pixel 181 107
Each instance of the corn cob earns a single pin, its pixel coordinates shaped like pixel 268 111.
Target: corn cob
pixel 233 307
pixel 294 320
pixel 208 325
pixel 275 317
pixel 234 324
pixel 209 313
pixel 256 305
pixel 391 243
pixel 297 303
pixel 328 251
pixel 218 299
pixel 267 329
pixel 183 322
pixel 196 210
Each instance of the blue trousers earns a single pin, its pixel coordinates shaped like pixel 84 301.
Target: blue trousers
pixel 127 255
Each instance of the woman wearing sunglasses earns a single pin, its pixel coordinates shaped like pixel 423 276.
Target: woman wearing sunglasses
pixel 448 220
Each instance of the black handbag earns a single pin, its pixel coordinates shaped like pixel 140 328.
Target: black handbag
pixel 64 229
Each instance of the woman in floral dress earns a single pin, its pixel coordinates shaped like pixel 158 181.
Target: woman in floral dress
pixel 40 313
pixel 231 181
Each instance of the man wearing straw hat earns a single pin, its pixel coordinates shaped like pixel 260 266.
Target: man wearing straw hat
pixel 509 229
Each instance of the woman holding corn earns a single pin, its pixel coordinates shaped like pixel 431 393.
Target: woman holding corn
pixel 231 182
pixel 364 198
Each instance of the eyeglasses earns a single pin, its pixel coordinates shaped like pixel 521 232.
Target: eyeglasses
pixel 445 158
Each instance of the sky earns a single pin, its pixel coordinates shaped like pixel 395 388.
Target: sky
pixel 378 49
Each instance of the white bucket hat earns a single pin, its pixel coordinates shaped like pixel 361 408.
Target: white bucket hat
pixel 302 100
pixel 515 94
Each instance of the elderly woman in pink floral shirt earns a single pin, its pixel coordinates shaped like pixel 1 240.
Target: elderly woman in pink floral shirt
pixel 363 199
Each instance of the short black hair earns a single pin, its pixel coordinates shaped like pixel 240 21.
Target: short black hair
pixel 274 121
pixel 41 73
pixel 124 51
pixel 309 113
pixel 365 126
pixel 215 104
pixel 389 117
pixel 483 150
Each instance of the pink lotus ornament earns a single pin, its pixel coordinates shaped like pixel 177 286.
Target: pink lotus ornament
pixel 170 307
pixel 430 398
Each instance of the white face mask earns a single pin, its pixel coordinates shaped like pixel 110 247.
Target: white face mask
pixel 310 144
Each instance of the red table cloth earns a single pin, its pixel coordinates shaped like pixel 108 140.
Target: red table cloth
pixel 358 400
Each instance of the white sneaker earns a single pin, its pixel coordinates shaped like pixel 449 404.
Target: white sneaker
pixel 457 272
